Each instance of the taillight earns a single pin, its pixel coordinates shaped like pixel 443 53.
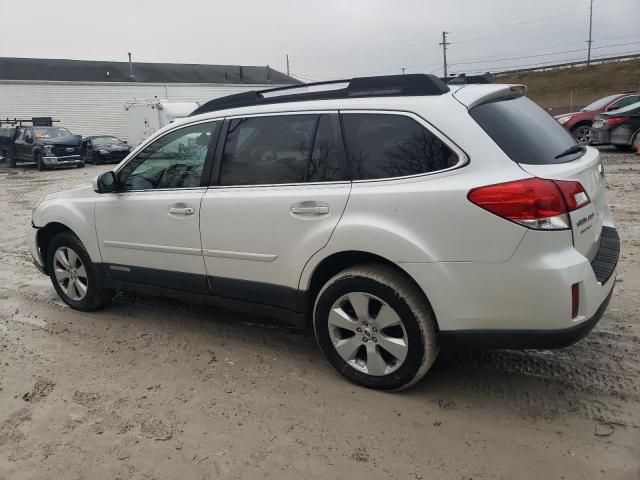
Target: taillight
pixel 534 203
pixel 615 121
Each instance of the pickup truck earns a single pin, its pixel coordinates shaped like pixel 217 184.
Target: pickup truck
pixel 46 145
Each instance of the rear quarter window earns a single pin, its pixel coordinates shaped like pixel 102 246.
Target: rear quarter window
pixel 387 146
pixel 524 131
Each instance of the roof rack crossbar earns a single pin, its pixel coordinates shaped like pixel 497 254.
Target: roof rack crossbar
pixel 391 85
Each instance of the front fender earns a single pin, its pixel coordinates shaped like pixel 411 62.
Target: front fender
pixel 77 215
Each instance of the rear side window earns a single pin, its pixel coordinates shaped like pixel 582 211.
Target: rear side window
pixel 385 146
pixel 524 131
pixel 280 149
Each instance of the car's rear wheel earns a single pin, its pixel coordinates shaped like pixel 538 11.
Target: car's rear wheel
pixel 73 274
pixel 582 134
pixel 376 327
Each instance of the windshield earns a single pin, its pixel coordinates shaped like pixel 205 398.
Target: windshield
pixel 599 104
pixel 525 132
pixel 51 132
pixel 628 109
pixel 107 141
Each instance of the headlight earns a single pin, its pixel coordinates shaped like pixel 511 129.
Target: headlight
pixel 103 152
pixel 48 149
pixel 35 207
pixel 563 120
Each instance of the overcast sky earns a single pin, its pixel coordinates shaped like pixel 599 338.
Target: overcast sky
pixel 324 38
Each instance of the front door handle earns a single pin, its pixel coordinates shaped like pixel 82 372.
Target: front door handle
pixel 310 208
pixel 182 210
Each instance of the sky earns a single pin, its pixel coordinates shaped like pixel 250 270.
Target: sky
pixel 325 39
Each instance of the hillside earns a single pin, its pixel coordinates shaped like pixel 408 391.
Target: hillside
pixel 571 87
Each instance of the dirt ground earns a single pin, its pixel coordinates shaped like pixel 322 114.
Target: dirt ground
pixel 156 388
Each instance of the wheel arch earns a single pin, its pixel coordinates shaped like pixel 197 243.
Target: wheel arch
pixel 339 261
pixel 46 234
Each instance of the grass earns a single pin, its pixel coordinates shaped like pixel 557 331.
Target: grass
pixel 578 87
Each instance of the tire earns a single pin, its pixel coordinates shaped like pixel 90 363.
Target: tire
pixel 582 134
pixel 39 162
pixel 11 161
pixel 411 332
pixel 81 165
pixel 66 246
pixel 636 143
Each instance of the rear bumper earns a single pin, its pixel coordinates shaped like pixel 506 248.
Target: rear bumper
pixel 525 302
pixel 520 339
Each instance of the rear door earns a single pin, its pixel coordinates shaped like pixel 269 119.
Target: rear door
pixel 278 191
pixel 534 140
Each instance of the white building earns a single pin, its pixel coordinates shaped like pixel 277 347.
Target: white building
pixel 88 97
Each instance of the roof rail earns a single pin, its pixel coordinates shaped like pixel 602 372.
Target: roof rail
pixel 464 79
pixel 390 85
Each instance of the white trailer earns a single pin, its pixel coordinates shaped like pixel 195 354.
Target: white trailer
pixel 146 117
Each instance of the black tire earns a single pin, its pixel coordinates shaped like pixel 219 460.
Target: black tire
pixel 39 162
pixel 408 302
pixel 96 295
pixel 582 134
pixel 11 161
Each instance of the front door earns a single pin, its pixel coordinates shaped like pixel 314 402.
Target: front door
pixel 148 230
pixel 280 192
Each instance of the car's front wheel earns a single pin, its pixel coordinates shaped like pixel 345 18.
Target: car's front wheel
pixel 582 134
pixel 73 274
pixel 376 327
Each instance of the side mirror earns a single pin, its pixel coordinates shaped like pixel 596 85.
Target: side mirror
pixel 28 140
pixel 105 182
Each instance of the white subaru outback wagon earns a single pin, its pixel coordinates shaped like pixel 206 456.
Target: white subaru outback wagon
pixel 393 214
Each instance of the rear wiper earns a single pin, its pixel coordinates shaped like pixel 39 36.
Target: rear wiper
pixel 571 150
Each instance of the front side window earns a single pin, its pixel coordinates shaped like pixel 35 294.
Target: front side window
pixel 385 146
pixel 268 150
pixel 175 160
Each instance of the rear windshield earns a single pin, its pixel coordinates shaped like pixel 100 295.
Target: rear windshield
pixel 525 132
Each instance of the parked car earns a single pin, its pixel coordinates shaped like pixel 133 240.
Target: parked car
pixel 104 149
pixel 42 143
pixel 393 215
pixel 620 128
pixel 579 123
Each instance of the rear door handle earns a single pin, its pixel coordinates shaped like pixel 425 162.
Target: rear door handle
pixel 182 210
pixel 310 208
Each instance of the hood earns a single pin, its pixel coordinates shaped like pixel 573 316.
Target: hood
pixel 71 140
pixel 114 147
pixel 570 114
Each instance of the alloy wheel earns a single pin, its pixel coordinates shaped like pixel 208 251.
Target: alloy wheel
pixel 582 134
pixel 368 334
pixel 70 273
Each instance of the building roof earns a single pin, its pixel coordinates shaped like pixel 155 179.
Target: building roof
pixel 45 69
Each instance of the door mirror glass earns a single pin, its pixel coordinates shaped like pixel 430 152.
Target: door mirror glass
pixel 105 182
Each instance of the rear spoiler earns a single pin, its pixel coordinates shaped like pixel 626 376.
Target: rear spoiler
pixel 474 95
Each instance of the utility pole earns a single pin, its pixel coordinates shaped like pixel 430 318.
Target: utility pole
pixel 444 44
pixel 589 42
pixel 403 69
pixel 288 65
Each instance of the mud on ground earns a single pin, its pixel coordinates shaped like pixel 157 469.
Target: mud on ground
pixel 156 388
